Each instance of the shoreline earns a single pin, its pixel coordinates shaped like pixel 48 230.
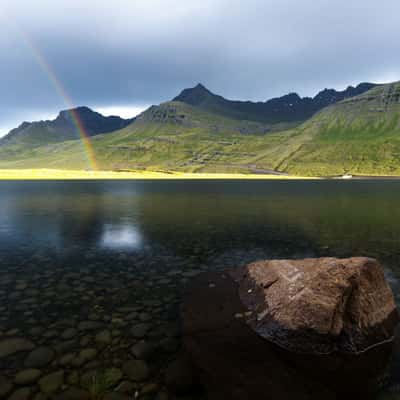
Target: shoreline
pixel 57 174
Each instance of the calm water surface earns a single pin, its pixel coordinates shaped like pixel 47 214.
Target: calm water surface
pixel 89 269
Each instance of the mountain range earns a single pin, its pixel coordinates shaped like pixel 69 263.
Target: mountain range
pixel 352 131
pixel 64 127
pixel 288 108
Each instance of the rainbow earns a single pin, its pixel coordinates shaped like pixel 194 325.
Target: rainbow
pixel 75 118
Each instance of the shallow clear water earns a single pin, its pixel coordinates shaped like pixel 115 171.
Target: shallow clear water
pixel 107 261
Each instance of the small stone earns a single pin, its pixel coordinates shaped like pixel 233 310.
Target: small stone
pixel 27 376
pixel 137 370
pixel 41 396
pixel 149 388
pixel 66 346
pixel 14 345
pixel 52 382
pixel 69 333
pixel 113 376
pixel 139 331
pixel 89 325
pixel 73 394
pixel 126 387
pixel 77 361
pixel 21 394
pixel 67 359
pixel 88 354
pixel 103 337
pixel 73 378
pixel 5 387
pixel 143 350
pixel 39 357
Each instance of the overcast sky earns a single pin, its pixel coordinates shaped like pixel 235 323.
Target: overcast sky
pixel 121 56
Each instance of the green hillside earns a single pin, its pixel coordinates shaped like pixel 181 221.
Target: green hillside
pixel 360 135
pixel 172 136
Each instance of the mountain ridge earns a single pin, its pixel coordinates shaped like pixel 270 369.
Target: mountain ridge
pixel 64 127
pixel 358 135
pixel 287 108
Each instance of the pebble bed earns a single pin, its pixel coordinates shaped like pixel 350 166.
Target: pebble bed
pixel 94 326
pixel 90 325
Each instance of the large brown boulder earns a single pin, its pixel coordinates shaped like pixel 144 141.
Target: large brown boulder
pixel 304 329
pixel 319 305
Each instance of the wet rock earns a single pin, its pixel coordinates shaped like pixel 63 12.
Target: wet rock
pixel 230 359
pixel 88 378
pixel 39 357
pixel 143 350
pixel 14 345
pixel 103 337
pixel 319 305
pixel 139 331
pixel 149 389
pixel 73 378
pixel 5 387
pixel 73 394
pixel 305 329
pixel 51 382
pixel 27 376
pixel 50 334
pixel 67 359
pixel 21 394
pixel 69 333
pixel 88 354
pixel 66 346
pixel 113 376
pixel 136 370
pixel 89 325
pixel 42 396
pixel 126 387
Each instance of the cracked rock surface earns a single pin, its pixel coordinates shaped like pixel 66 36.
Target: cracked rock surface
pixel 304 329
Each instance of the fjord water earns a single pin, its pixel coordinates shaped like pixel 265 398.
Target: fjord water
pixel 107 261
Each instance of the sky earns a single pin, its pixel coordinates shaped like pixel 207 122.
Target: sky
pixel 120 56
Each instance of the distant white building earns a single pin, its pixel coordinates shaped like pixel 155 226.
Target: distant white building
pixel 347 176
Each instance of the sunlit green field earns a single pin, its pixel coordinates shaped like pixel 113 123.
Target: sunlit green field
pixel 28 174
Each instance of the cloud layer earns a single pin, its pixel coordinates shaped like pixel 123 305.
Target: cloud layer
pixel 133 53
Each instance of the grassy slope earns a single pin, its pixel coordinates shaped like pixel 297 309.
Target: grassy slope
pixel 359 135
pixel 162 139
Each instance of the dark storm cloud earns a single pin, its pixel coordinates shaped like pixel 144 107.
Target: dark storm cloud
pixel 141 52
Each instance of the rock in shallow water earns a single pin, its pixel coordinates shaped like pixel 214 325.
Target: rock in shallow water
pixel 137 370
pixel 14 345
pixel 51 382
pixel 27 376
pixel 319 305
pixel 39 357
pixel 324 331
pixel 21 394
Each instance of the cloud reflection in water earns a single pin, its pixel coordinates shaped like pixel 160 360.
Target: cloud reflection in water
pixel 121 237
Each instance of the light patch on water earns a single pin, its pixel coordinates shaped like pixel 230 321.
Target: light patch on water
pixel 121 237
